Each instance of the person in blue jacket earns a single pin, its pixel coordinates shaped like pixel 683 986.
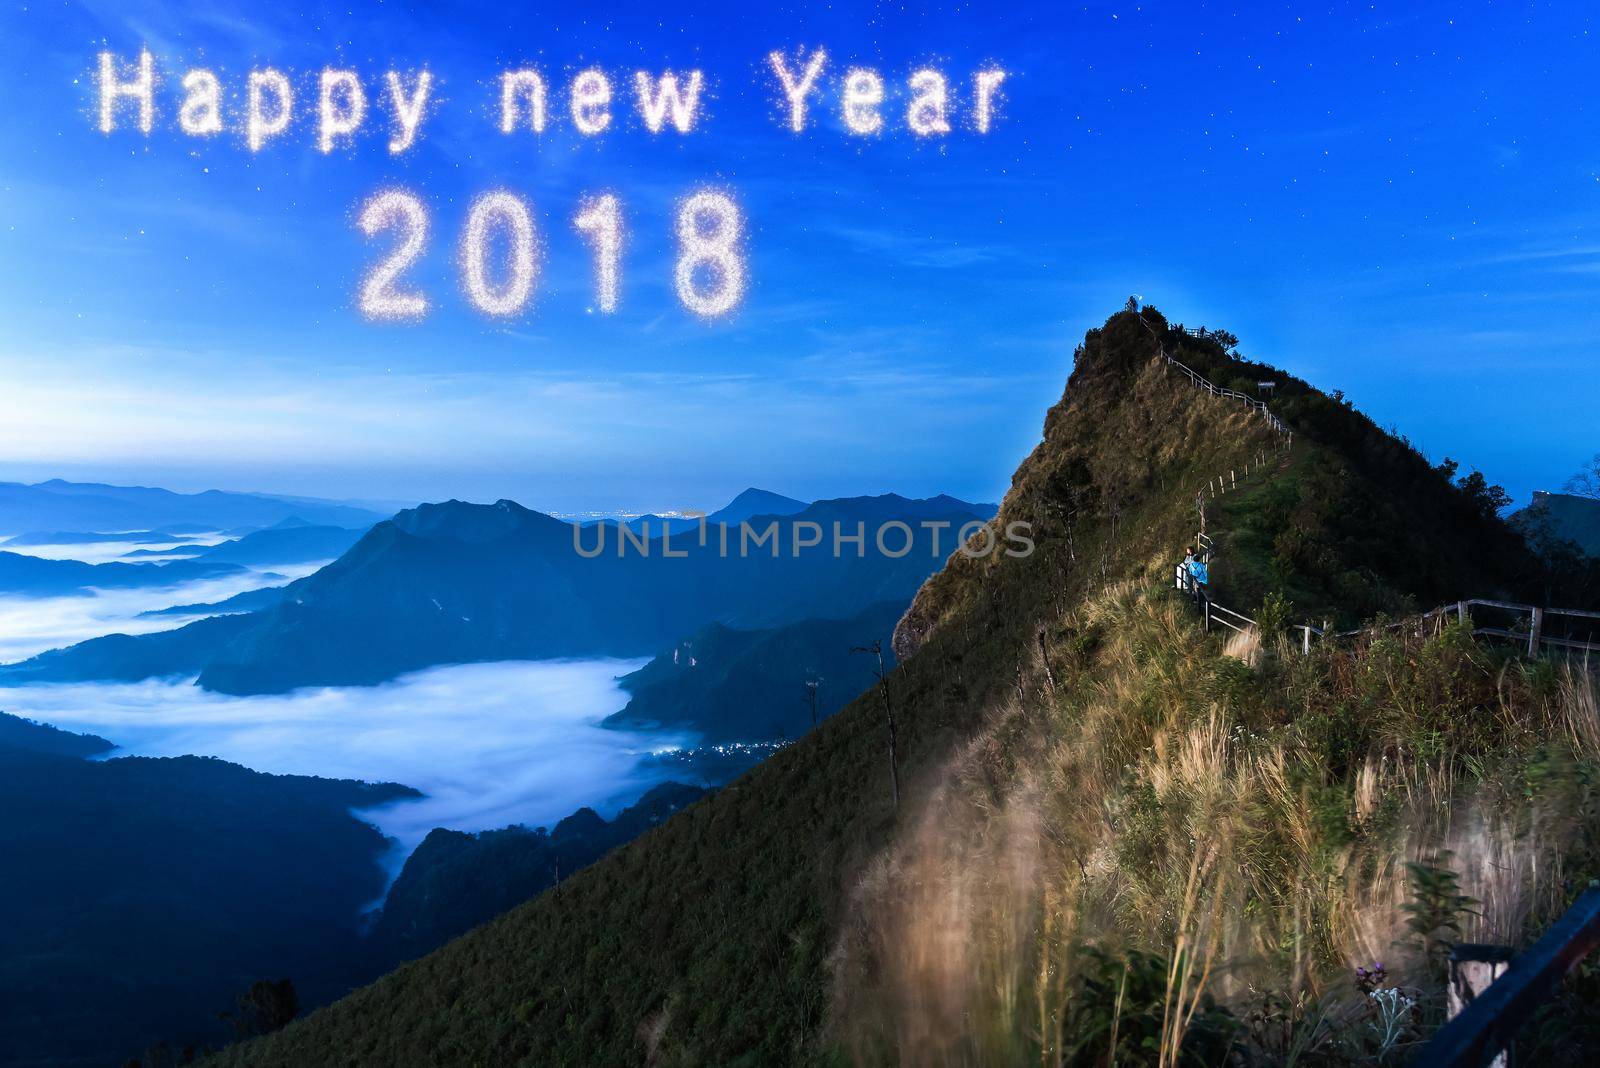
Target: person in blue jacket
pixel 1201 574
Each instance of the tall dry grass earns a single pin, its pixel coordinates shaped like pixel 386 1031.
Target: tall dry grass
pixel 1228 835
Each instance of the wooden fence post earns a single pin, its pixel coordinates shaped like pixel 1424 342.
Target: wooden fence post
pixel 1536 632
pixel 1461 612
pixel 1472 968
pixel 1305 639
pixel 1491 1020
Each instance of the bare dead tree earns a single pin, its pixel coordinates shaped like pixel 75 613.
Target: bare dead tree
pixel 1586 483
pixel 812 684
pixel 876 649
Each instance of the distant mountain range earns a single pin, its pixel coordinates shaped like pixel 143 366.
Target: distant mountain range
pixel 129 658
pixel 458 583
pixel 248 601
pixel 285 543
pixel 33 576
pixel 135 921
pixel 747 505
pixel 79 507
pixel 126 537
pixel 19 733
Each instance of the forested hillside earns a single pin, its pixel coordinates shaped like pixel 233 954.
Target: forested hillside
pixel 142 896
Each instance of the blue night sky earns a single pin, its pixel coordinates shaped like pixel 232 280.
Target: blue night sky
pixel 1400 200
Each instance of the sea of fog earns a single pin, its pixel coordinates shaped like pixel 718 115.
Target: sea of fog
pixel 490 744
pixel 104 552
pixel 30 625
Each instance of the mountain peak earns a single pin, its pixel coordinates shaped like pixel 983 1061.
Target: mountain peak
pixel 754 501
pixel 467 522
pixel 1563 517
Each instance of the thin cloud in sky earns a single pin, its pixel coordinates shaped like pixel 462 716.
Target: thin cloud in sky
pixel 1307 180
pixel 166 410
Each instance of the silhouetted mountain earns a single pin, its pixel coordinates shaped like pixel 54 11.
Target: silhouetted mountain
pixel 66 537
pixel 459 583
pixel 454 882
pixel 739 685
pixel 88 506
pixel 141 896
pixel 764 505
pixel 36 577
pixel 19 733
pixel 174 552
pixel 748 504
pixel 293 544
pixel 248 601
pixel 1563 517
pixel 753 502
pixel 129 658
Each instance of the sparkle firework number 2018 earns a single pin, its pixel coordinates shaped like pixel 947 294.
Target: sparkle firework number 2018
pixel 501 249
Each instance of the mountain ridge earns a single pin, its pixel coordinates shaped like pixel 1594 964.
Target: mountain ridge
pixel 36 576
pixel 454 582
pixel 92 506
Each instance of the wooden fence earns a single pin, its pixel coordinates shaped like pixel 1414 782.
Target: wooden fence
pixel 1532 637
pixel 1528 625
pixel 1199 381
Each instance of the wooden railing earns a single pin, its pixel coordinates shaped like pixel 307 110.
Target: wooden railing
pixel 1533 636
pixel 1199 381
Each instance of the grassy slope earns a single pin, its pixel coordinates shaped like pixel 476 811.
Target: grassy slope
pixel 707 941
pixel 1152 791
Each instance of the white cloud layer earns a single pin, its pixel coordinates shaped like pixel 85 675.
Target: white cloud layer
pixel 30 625
pixel 105 552
pixel 490 744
